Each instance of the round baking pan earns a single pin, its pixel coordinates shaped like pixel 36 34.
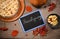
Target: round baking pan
pixel 17 15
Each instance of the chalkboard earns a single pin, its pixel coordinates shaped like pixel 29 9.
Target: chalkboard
pixel 31 21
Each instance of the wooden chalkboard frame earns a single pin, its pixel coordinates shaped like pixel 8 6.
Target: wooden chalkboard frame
pixel 28 15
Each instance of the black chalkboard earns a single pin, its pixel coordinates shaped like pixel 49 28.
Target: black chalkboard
pixel 32 20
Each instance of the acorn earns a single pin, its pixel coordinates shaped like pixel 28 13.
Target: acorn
pixel 38 3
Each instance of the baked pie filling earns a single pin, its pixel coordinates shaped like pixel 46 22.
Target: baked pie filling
pixel 8 8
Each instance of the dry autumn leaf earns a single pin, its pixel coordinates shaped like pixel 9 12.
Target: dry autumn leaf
pixel 52 7
pixel 42 31
pixel 28 8
pixel 14 33
pixel 4 29
pixel 36 32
